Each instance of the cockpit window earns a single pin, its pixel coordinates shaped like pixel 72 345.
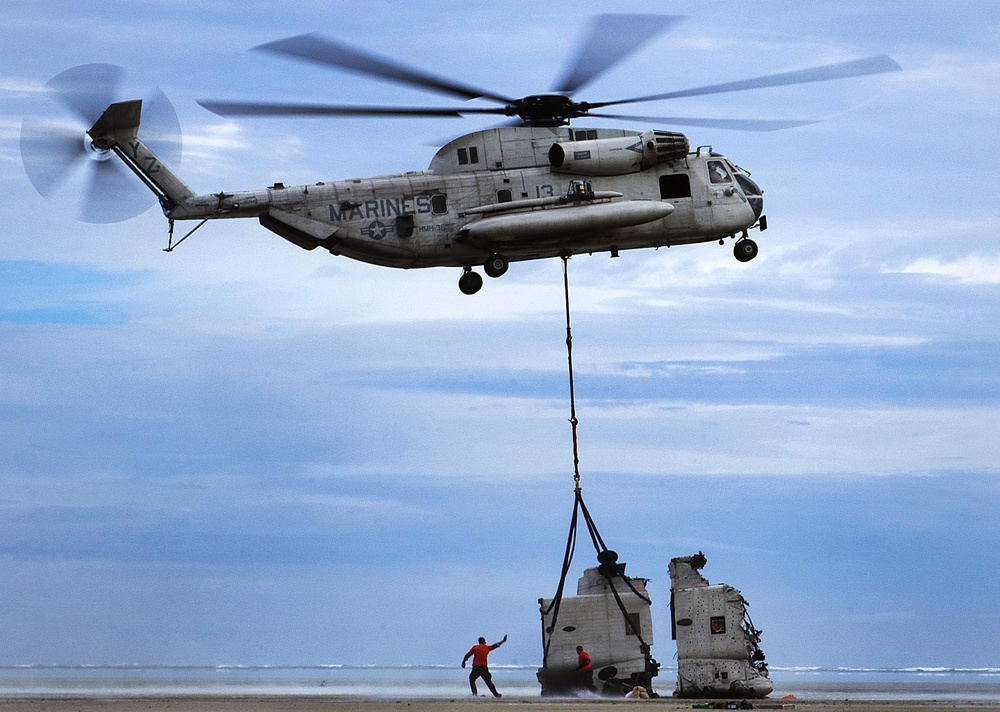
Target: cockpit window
pixel 717 172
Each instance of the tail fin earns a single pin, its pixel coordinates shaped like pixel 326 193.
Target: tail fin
pixel 118 130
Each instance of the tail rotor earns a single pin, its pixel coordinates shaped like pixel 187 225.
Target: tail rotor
pixel 61 160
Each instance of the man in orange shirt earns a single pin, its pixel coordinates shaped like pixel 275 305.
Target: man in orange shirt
pixel 479 654
pixel 584 669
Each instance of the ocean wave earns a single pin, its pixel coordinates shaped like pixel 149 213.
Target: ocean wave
pixel 347 667
pixel 917 670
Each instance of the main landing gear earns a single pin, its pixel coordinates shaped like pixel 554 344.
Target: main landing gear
pixel 745 249
pixel 496 266
pixel 470 282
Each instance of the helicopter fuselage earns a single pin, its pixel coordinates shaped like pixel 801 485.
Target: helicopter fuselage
pixel 489 198
pixel 430 218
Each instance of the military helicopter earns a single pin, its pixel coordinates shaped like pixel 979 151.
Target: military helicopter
pixel 532 188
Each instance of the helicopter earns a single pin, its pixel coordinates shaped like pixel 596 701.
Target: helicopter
pixel 532 188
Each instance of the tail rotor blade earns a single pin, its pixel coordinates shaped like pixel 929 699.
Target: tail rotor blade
pixel 88 89
pixel 50 152
pixel 161 129
pixel 54 151
pixel 113 194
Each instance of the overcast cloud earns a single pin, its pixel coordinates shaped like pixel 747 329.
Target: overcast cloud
pixel 217 455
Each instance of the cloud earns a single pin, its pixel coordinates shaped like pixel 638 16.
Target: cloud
pixel 972 270
pixel 18 87
pixel 968 77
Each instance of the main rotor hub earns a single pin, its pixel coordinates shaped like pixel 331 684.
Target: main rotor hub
pixel 547 109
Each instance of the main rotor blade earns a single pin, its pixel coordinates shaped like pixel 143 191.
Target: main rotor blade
pixel 324 51
pixel 611 39
pixel 256 108
pixel 840 70
pixel 759 125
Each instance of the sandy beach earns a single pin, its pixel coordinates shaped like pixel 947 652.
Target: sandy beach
pixel 192 703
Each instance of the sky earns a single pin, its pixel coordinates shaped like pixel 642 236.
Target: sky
pixel 241 452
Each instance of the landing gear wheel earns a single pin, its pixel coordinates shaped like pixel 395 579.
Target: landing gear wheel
pixel 745 250
pixel 470 282
pixel 496 265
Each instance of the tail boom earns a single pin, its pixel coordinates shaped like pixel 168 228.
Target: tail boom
pixel 118 130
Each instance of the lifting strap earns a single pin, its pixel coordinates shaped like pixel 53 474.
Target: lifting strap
pixel 608 559
pixel 572 393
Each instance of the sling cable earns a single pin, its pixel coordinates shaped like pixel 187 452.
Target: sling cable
pixel 609 568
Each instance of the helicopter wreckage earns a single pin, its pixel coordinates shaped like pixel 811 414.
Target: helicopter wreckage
pixel 718 647
pixel 533 190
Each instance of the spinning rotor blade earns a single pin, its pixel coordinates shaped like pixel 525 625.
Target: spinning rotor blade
pixel 252 108
pixel 827 72
pixel 50 153
pixel 161 129
pixel 113 194
pixel 612 38
pixel 87 90
pixel 51 149
pixel 757 125
pixel 324 51
pixel 55 147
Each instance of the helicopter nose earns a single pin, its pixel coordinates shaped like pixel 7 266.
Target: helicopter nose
pixel 755 196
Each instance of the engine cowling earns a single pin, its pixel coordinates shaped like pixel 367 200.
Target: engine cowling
pixel 617 156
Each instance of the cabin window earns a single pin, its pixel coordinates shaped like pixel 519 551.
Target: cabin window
pixel 718 625
pixel 504 195
pixel 675 185
pixel 717 172
pixel 583 135
pixel 635 624
pixel 404 225
pixel 468 155
pixel 439 204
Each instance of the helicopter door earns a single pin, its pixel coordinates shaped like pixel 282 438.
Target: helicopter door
pixel 717 181
pixel 675 188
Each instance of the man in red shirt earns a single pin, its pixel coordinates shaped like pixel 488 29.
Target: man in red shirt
pixel 479 654
pixel 584 669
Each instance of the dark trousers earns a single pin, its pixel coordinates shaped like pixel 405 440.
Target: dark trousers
pixel 483 672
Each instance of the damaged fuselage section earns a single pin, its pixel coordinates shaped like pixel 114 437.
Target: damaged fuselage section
pixel 618 645
pixel 718 647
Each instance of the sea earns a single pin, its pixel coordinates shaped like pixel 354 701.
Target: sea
pixel 451 682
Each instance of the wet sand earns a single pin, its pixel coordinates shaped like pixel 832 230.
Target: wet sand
pixel 217 703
